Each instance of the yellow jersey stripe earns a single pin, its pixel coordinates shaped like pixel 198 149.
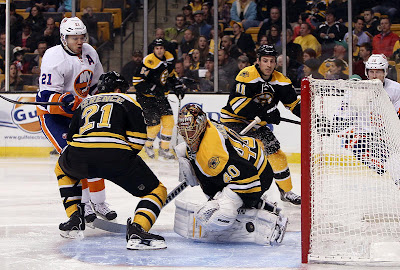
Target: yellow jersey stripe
pixel 137 134
pixel 100 145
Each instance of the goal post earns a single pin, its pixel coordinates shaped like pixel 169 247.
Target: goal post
pixel 350 156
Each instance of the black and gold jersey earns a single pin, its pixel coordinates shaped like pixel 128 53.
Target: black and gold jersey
pixel 252 92
pixel 151 78
pixel 111 120
pixel 226 159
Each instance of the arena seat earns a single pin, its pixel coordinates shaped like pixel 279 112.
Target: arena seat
pixel 253 31
pixel 22 4
pixel 103 31
pixel 23 14
pixel 117 16
pixel 114 4
pixel 95 4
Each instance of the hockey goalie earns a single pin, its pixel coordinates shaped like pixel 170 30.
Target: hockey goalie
pixel 234 173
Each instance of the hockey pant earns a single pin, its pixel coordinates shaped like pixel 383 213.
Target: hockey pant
pixel 55 128
pixel 251 226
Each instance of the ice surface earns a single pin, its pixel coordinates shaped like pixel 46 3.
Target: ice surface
pixel 31 211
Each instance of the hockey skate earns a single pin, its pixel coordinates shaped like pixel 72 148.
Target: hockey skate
pixel 89 215
pixel 165 154
pixel 75 226
pixel 150 151
pixel 104 211
pixel 290 196
pixel 139 239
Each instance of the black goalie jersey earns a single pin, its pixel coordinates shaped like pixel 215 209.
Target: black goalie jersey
pixel 108 121
pixel 252 93
pixel 226 159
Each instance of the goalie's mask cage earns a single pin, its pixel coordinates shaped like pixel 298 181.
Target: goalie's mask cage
pixel 192 123
pixel 350 173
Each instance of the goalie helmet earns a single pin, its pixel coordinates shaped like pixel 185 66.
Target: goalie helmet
pixel 266 50
pixel 376 61
pixel 192 123
pixel 69 27
pixel 110 81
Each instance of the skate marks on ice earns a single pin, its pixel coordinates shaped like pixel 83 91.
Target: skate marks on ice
pixel 110 249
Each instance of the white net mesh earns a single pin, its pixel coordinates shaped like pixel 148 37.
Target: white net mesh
pixel 355 170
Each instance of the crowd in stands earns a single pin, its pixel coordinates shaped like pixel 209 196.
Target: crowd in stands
pixel 317 38
pixel 316 31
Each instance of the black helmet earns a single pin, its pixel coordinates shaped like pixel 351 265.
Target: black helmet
pixel 266 50
pixel 158 42
pixel 110 81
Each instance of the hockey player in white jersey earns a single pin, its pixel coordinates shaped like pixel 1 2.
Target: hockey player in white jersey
pixel 69 73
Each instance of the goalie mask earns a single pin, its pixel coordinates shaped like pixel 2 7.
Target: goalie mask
pixel 70 27
pixel 376 61
pixel 110 81
pixel 192 123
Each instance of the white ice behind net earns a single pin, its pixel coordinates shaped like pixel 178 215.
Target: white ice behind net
pixel 355 165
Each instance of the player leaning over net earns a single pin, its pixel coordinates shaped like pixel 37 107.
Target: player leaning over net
pixel 258 90
pixel 107 132
pixel 153 82
pixel 69 73
pixel 233 172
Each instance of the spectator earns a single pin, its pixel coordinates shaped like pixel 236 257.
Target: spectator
pixel 52 33
pixel 194 59
pixel 44 5
pixel 359 32
pixel 388 7
pixel 200 27
pixel 36 20
pixel 290 72
pixel 220 35
pixel 229 66
pixel 355 49
pixel 243 61
pixel 385 40
pixel 329 32
pixel 306 40
pixel 316 11
pixel 90 20
pixel 359 66
pixel 185 76
pixel 339 52
pixel 263 40
pixel 204 49
pixel 196 5
pixel 33 66
pixel 274 36
pixel 274 18
pixel 207 83
pixel 3 47
pixel 208 18
pixel 188 14
pixel 131 68
pixel 18 59
pixel 26 38
pixel 335 71
pixel 371 23
pixel 224 12
pixel 228 46
pixel 310 68
pixel 188 42
pixel 169 46
pixel 66 6
pixel 340 8
pixel 245 12
pixel 16 83
pixel 307 54
pixel 264 8
pixel 243 41
pixel 294 8
pixel 175 34
pixel 16 22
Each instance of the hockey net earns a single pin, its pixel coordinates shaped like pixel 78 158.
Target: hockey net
pixel 350 172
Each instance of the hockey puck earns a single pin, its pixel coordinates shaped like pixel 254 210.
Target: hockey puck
pixel 250 227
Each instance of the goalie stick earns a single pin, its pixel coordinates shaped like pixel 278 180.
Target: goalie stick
pixel 31 102
pixel 109 226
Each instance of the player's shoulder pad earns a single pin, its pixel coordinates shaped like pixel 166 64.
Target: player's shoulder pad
pixel 168 56
pixel 53 56
pixel 212 155
pixel 249 75
pixel 151 61
pixel 87 48
pixel 279 79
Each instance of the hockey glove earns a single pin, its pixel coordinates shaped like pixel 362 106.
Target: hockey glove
pixel 271 115
pixel 70 101
pixel 179 91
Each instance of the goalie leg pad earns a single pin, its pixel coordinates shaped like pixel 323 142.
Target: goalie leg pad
pixel 250 226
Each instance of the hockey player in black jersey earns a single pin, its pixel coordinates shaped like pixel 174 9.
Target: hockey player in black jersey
pixel 233 172
pixel 106 134
pixel 153 83
pixel 258 90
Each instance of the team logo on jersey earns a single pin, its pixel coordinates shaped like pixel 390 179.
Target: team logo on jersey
pixel 213 162
pixel 25 116
pixel 82 82
pixel 245 74
pixel 163 77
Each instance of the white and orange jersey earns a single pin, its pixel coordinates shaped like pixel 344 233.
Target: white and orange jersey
pixel 392 88
pixel 62 72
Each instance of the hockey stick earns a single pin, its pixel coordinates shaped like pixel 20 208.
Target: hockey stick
pixel 109 226
pixel 250 126
pixel 32 102
pixel 290 121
